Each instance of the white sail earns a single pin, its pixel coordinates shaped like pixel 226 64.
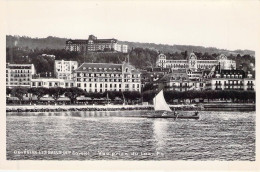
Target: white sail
pixel 160 103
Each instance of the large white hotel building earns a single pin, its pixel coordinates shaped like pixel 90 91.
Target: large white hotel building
pixel 92 44
pixel 93 77
pixel 193 63
pixel 101 77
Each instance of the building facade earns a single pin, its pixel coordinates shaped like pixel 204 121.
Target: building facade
pixel 19 75
pixel 231 80
pixel 92 44
pixel 64 69
pixel 194 64
pixel 101 77
pixel 180 81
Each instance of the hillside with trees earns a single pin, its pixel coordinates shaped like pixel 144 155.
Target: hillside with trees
pixel 30 50
pixel 139 57
pixel 59 43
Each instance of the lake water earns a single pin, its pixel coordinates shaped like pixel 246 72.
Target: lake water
pixel 111 136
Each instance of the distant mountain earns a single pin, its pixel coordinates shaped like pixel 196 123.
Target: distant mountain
pixel 59 43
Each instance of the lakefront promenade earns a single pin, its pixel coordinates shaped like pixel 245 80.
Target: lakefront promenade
pixel 60 108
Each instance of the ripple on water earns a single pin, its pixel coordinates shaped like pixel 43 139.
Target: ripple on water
pixel 110 135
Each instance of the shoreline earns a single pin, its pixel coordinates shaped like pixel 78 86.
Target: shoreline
pixel 66 108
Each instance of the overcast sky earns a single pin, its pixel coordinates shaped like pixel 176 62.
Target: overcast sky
pixel 229 25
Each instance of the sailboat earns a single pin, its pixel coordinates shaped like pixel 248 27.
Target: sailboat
pixel 161 106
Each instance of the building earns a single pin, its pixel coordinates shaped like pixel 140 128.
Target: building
pixel 180 81
pixel 151 75
pixel 194 64
pixel 19 75
pixel 92 44
pixel 64 69
pixel 101 77
pixel 231 80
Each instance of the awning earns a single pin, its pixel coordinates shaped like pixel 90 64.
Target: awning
pixel 84 98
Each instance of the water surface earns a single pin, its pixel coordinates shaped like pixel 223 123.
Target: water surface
pixel 112 136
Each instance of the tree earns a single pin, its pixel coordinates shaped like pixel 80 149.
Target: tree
pixel 148 86
pixel 56 92
pixel 131 95
pixel 38 92
pixel 19 92
pixel 8 91
pixel 73 93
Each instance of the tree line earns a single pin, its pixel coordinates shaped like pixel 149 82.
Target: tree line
pixel 71 93
pixel 139 57
pixel 225 95
pixel 130 96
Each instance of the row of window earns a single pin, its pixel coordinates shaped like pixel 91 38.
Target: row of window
pixel 19 71
pixel 19 75
pixel 104 90
pixel 20 83
pixel 230 82
pixel 233 76
pixel 107 85
pixel 106 75
pixel 106 80
pixel 24 79
pixel 51 84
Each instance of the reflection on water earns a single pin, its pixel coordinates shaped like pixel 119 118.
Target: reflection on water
pixel 125 136
pixel 160 130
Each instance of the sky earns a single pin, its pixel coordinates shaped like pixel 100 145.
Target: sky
pixel 222 24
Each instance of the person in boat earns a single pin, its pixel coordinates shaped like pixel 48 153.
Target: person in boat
pixel 196 113
pixel 164 113
pixel 174 112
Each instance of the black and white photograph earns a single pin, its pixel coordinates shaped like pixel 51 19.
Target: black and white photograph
pixel 130 80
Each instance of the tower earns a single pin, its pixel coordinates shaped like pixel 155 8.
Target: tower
pixel 193 62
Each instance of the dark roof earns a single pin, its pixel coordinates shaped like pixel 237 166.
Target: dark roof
pixel 100 67
pixel 85 41
pixel 176 75
pixel 19 66
pixel 104 40
pixel 158 69
pixel 77 41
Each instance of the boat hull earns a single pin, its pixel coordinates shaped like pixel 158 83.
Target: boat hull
pixel 175 117
pixel 160 114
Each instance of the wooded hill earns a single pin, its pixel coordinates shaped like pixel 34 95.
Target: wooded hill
pixel 59 43
pixel 29 50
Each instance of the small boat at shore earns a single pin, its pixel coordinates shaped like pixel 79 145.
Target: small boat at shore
pixel 162 109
